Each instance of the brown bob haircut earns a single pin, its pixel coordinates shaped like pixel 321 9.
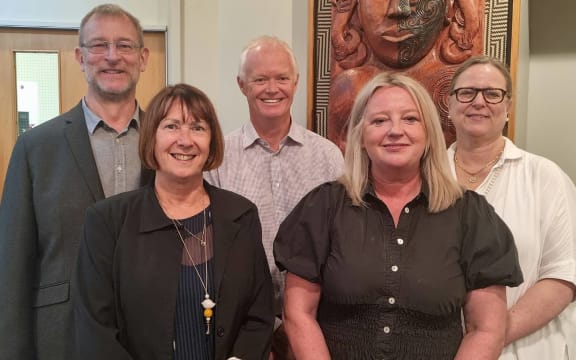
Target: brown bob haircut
pixel 195 103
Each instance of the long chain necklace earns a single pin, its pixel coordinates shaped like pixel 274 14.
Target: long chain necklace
pixel 207 304
pixel 201 240
pixel 473 176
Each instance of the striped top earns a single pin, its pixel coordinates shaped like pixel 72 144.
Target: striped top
pixel 191 340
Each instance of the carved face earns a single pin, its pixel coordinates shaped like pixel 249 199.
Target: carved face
pixel 401 32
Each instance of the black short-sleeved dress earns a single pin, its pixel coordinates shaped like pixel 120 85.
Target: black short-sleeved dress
pixel 394 292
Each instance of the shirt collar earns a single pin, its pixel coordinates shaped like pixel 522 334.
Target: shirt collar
pixel 93 120
pixel 296 133
pixel 423 194
pixel 511 151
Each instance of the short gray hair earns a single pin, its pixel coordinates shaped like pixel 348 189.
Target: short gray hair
pixel 265 40
pixel 110 10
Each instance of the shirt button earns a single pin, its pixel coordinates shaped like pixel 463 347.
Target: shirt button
pixel 394 268
pixel 400 241
pixel 119 168
pixel 391 301
pixel 386 330
pixel 220 332
pixel 117 141
pixel 406 209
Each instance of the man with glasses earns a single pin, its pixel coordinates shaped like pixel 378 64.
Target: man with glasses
pixel 56 171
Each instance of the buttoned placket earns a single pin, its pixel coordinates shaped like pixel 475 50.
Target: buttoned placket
pixel 397 247
pixel 276 179
pixel 120 174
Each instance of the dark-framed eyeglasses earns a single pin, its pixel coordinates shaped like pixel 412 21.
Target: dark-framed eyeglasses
pixel 125 47
pixel 468 94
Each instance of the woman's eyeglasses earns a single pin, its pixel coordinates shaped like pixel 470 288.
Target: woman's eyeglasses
pixel 467 95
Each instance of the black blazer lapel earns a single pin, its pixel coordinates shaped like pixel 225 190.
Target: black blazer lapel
pixel 224 229
pixel 76 134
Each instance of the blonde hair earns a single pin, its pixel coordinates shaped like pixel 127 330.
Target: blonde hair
pixel 434 168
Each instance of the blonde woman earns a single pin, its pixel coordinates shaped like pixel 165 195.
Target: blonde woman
pixel 381 263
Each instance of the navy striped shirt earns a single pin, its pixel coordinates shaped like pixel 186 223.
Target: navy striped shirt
pixel 191 340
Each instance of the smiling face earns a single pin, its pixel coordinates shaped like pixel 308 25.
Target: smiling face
pixel 269 82
pixel 479 119
pixel 393 136
pixel 401 32
pixel 111 76
pixel 182 146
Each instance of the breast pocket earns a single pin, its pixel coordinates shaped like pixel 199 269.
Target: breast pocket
pixel 52 294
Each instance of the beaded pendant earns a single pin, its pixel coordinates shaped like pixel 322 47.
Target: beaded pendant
pixel 208 304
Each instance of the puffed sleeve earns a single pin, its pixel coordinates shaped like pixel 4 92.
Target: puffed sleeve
pixel 489 256
pixel 302 243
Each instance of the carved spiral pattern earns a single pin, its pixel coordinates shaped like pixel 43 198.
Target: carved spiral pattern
pixel 425 24
pixel 438 84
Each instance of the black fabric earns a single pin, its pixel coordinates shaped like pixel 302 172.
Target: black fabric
pixel 355 332
pixel 191 340
pixel 375 276
pixel 128 274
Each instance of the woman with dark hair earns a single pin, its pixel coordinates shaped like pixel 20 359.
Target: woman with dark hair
pixel 175 270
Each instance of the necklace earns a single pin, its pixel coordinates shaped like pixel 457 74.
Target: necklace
pixel 202 239
pixel 473 176
pixel 207 303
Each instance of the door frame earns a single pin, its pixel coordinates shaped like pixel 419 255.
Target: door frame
pixel 64 40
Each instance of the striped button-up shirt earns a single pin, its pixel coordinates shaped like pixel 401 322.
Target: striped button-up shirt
pixel 276 180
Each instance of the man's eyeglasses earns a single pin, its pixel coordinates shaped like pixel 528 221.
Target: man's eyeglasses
pixel 124 47
pixel 467 95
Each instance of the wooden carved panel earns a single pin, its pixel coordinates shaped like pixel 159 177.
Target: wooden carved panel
pixel 426 39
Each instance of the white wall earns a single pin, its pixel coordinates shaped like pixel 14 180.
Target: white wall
pixel 205 38
pixel 551 119
pixel 215 33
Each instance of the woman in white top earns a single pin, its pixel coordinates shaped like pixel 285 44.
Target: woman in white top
pixel 537 201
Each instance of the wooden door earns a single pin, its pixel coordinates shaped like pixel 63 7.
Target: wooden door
pixel 72 82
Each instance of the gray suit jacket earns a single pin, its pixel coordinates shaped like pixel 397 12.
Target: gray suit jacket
pixel 52 178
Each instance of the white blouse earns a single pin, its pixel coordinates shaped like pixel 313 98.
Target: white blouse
pixel 537 200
